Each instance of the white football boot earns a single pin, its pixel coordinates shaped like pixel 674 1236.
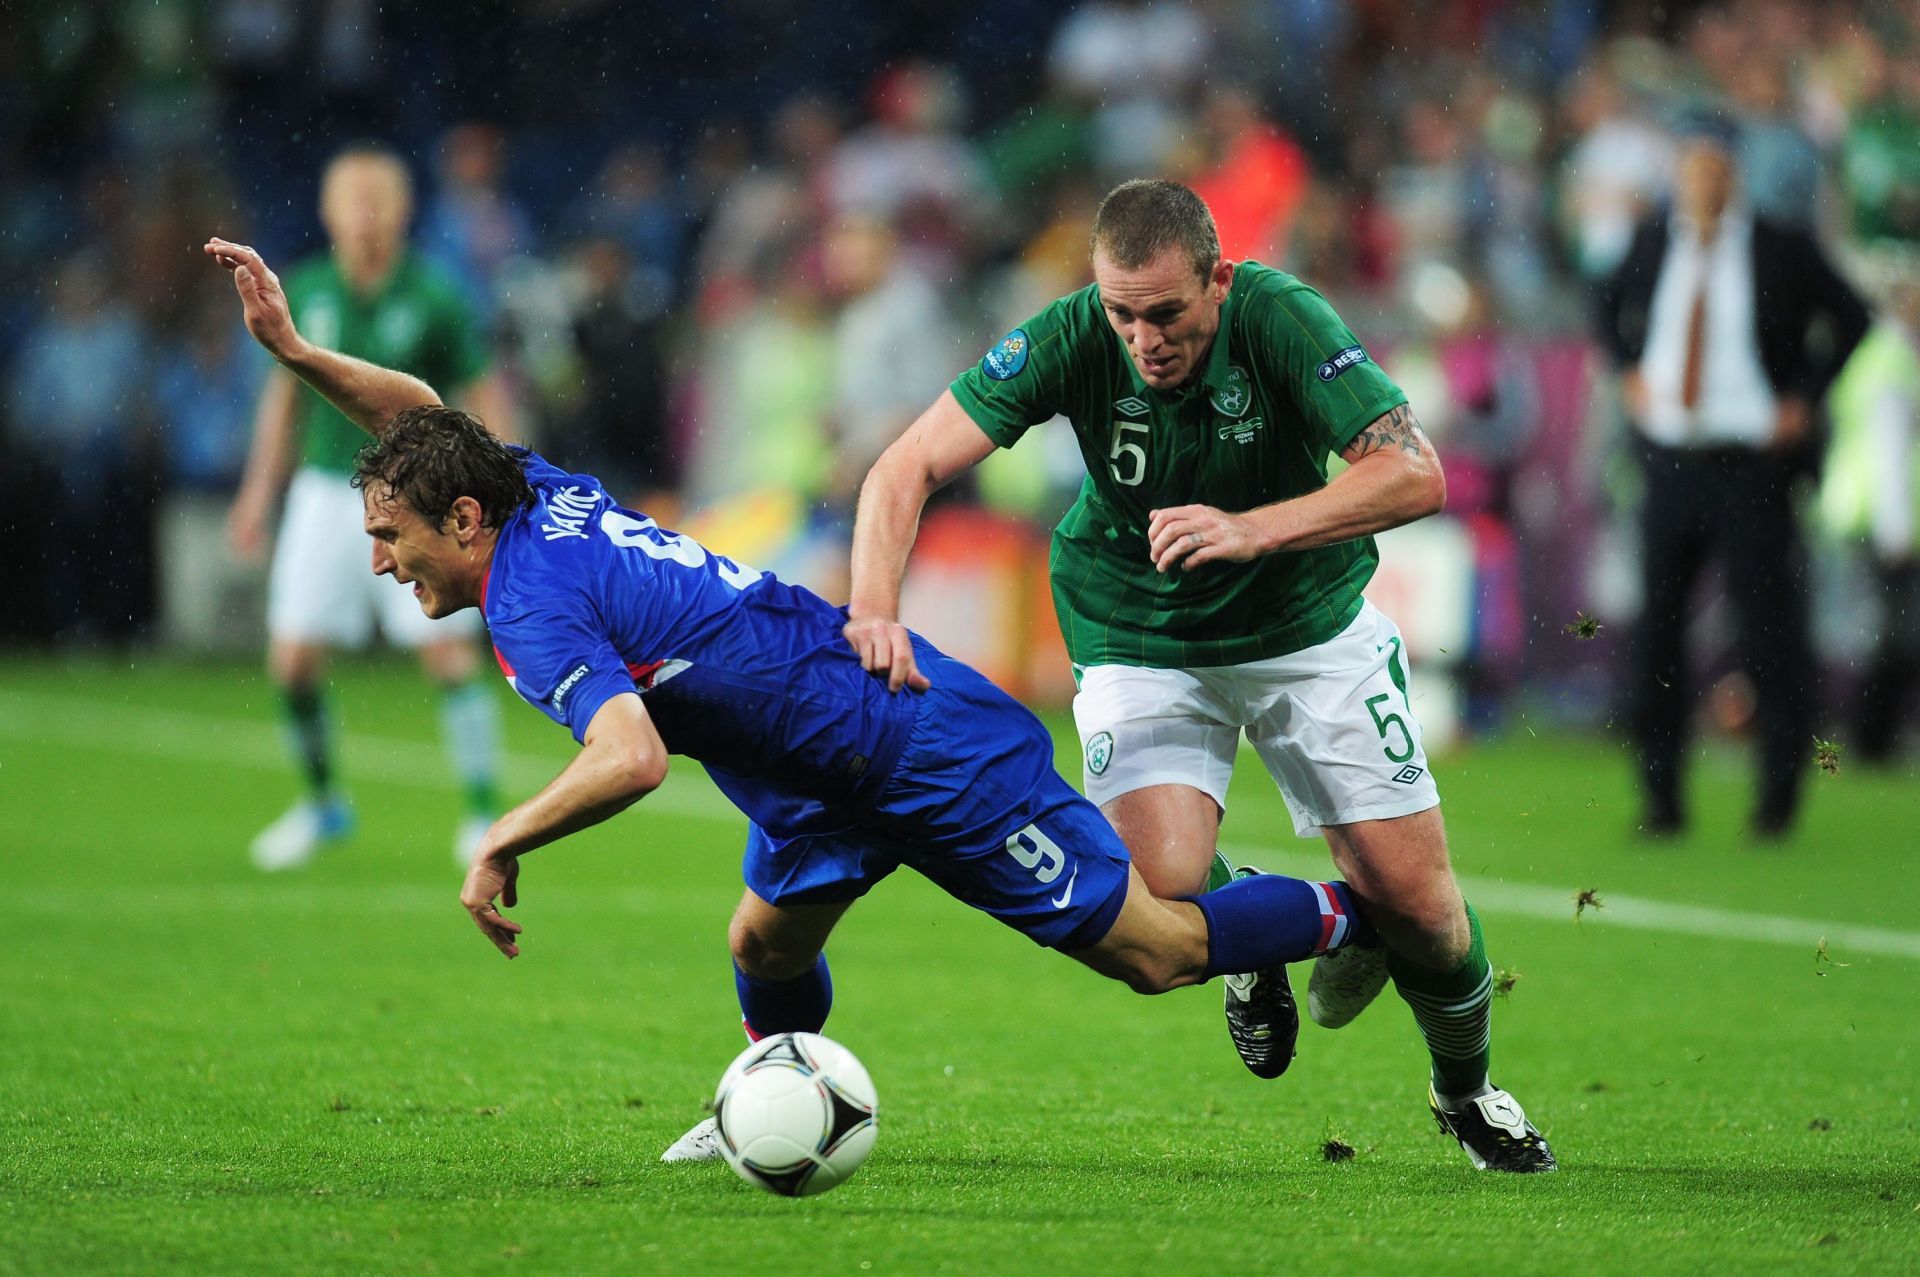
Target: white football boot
pixel 701 1144
pixel 292 840
pixel 1344 982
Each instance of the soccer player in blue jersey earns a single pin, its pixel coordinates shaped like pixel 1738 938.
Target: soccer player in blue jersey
pixel 645 644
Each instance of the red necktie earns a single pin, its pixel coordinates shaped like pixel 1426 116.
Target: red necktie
pixel 1696 350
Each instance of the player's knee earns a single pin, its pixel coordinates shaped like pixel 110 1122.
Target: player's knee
pixel 1420 915
pixel 1440 916
pixel 294 668
pixel 761 952
pixel 1432 933
pixel 1147 973
pixel 1153 982
pixel 1451 942
pixel 1153 946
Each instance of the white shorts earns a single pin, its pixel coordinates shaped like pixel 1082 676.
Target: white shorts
pixel 1333 724
pixel 322 589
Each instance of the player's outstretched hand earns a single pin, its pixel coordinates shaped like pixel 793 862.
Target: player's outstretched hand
pixel 487 879
pixel 885 648
pixel 263 304
pixel 1188 535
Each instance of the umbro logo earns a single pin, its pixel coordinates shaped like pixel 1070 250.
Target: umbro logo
pixel 1131 406
pixel 1408 774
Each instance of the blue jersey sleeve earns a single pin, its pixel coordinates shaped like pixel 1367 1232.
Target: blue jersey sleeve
pixel 561 667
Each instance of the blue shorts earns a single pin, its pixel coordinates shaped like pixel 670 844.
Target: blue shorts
pixel 974 804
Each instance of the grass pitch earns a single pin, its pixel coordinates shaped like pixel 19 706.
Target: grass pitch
pixel 207 1070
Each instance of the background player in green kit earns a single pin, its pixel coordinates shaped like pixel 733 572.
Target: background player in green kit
pixel 1208 582
pixel 372 299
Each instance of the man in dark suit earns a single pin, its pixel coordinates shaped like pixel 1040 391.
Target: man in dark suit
pixel 1727 330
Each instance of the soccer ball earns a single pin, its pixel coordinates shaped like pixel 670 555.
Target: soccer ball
pixel 796 1114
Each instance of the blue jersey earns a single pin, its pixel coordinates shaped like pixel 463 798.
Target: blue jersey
pixel 748 675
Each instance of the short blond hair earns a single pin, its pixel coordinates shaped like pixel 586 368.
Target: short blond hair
pixel 1141 219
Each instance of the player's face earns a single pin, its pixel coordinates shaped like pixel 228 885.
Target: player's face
pixel 365 206
pixel 414 552
pixel 1166 314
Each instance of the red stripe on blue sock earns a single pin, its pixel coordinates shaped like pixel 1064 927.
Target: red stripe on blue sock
pixel 1334 920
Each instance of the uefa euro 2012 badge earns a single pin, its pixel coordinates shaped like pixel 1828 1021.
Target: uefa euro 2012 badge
pixel 1008 358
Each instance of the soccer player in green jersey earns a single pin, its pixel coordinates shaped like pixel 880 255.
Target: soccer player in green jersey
pixel 1208 583
pixel 372 299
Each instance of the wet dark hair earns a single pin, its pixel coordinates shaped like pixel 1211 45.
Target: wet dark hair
pixel 1139 220
pixel 431 456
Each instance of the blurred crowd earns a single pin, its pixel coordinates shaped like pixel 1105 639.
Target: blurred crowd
pixel 731 251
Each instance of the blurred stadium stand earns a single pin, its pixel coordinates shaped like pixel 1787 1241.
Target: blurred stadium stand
pixel 698 232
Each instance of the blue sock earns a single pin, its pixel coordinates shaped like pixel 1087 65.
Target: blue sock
pixel 799 1005
pixel 1266 919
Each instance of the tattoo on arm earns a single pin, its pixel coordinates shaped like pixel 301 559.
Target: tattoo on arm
pixel 1396 428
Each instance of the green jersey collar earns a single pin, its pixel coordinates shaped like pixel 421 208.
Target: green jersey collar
pixel 402 267
pixel 1215 376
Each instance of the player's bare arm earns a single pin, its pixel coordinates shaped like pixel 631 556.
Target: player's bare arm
pixel 269 465
pixel 366 394
pixel 941 445
pixel 1393 477
pixel 622 761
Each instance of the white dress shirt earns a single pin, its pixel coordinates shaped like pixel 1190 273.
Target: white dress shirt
pixel 1735 405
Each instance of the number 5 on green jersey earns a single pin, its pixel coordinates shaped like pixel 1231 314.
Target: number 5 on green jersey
pixel 1136 453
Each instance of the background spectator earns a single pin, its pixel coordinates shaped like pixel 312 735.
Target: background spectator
pixel 1870 498
pixel 894 350
pixel 616 423
pixel 79 420
pixel 1728 329
pixel 472 225
pixel 204 387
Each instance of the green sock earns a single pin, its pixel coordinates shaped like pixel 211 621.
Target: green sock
pixel 470 721
pixel 1455 1012
pixel 1220 872
pixel 310 736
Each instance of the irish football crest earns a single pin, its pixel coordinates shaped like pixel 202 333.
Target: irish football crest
pixel 1099 752
pixel 1236 396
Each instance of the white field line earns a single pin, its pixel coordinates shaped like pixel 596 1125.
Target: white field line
pixel 1494 895
pixel 149 732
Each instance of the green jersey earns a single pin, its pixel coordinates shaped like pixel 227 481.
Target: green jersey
pixel 1880 162
pixel 416 323
pixel 1285 386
